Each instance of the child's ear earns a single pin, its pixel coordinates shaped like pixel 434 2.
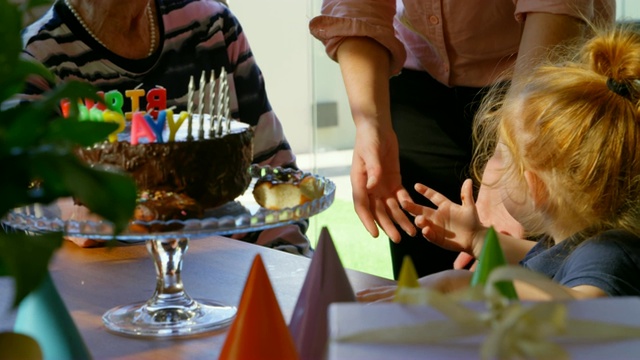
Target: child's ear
pixel 537 189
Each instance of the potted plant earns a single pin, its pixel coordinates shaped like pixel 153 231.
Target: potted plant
pixel 36 146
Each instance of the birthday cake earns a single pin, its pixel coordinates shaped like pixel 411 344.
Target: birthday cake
pixel 211 171
pixel 181 164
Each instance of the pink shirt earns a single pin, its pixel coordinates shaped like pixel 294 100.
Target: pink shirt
pixel 460 43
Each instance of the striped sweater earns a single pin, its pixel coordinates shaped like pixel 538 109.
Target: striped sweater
pixel 195 36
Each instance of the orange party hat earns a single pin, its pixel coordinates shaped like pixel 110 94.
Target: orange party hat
pixel 259 330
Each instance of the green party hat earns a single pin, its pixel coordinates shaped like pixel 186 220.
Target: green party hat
pixel 492 257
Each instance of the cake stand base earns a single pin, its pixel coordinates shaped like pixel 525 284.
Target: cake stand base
pixel 141 320
pixel 170 312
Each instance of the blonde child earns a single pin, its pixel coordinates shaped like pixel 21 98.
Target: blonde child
pixel 567 141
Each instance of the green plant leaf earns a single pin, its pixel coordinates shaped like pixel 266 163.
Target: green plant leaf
pixel 109 194
pixel 14 81
pixel 81 133
pixel 72 90
pixel 26 258
pixel 28 126
pixel 10 18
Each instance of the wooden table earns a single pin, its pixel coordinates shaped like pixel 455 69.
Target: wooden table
pixel 92 281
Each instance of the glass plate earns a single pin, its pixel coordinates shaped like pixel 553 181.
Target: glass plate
pixel 238 216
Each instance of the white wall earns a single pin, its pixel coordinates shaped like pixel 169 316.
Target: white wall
pixel 278 35
pixel 628 9
pixel 297 72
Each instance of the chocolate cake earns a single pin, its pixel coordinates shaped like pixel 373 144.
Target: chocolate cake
pixel 201 173
pixel 211 171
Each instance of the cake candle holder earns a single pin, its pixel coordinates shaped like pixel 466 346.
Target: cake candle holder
pixel 220 95
pixel 201 92
pixel 227 115
pixel 190 109
pixel 212 83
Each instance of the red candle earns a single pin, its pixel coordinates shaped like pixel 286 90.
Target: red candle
pixel 140 129
pixel 156 101
pixel 65 107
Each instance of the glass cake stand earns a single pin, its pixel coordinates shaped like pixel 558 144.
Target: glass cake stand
pixel 171 312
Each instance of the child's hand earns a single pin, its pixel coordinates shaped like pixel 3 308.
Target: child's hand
pixel 377 294
pixel 450 226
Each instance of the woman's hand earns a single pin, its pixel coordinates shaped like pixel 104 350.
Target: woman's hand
pixel 376 183
pixel 450 226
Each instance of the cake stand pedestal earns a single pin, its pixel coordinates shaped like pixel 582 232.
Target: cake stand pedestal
pixel 171 312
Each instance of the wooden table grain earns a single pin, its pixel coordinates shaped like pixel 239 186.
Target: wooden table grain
pixel 92 281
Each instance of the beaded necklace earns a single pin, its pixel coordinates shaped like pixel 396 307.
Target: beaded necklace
pixel 152 29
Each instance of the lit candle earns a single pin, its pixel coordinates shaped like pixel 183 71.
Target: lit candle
pixel 156 101
pixel 190 108
pixel 140 129
pixel 201 106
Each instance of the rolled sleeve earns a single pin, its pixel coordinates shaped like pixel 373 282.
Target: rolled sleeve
pixel 343 19
pixel 581 9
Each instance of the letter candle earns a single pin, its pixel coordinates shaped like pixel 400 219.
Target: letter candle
pixel 156 100
pixel 201 106
pixel 135 96
pixel 212 83
pixel 190 108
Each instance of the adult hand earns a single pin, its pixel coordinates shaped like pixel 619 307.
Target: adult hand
pixel 376 183
pixel 450 226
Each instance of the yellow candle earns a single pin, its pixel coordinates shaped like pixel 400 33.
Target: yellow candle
pixel 116 117
pixel 175 125
pixel 135 96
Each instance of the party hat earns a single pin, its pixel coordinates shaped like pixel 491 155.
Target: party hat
pixel 409 290
pixel 408 274
pixel 43 316
pixel 259 330
pixel 492 257
pixel 326 282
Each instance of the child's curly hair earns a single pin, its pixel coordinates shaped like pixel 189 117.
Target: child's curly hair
pixel 576 125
